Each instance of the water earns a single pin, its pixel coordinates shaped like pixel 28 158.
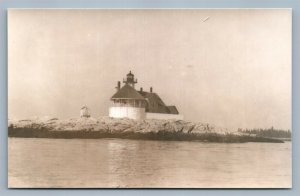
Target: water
pixel 138 163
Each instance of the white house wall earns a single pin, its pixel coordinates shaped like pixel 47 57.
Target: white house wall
pixel 127 112
pixel 139 114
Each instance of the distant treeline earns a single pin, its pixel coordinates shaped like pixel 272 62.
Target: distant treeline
pixel 270 132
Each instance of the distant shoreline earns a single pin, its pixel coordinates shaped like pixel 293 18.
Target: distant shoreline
pixel 161 135
pixel 163 130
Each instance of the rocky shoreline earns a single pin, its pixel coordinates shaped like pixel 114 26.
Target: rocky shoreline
pixel 105 127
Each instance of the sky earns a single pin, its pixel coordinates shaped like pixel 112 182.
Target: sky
pixel 227 67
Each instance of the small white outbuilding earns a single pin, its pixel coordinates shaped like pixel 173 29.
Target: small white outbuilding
pixel 84 112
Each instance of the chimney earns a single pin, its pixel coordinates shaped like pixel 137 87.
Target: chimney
pixel 141 89
pixel 118 86
pixel 151 89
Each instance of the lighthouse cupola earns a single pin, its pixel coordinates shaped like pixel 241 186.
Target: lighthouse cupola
pixel 130 80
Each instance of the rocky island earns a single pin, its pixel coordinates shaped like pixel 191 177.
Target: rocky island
pixel 106 127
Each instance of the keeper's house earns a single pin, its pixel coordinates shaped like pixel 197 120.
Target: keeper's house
pixel 130 103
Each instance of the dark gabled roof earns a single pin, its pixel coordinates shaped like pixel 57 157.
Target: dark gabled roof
pixel 152 96
pixel 172 109
pixel 127 92
pixel 154 103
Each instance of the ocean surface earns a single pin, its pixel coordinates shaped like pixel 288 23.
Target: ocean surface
pixel 107 163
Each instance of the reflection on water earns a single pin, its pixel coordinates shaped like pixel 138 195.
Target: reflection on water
pixel 137 163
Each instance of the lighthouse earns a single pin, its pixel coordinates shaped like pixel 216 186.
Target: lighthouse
pixel 127 102
pixel 139 105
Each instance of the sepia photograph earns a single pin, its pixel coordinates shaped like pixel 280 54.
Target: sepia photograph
pixel 149 98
